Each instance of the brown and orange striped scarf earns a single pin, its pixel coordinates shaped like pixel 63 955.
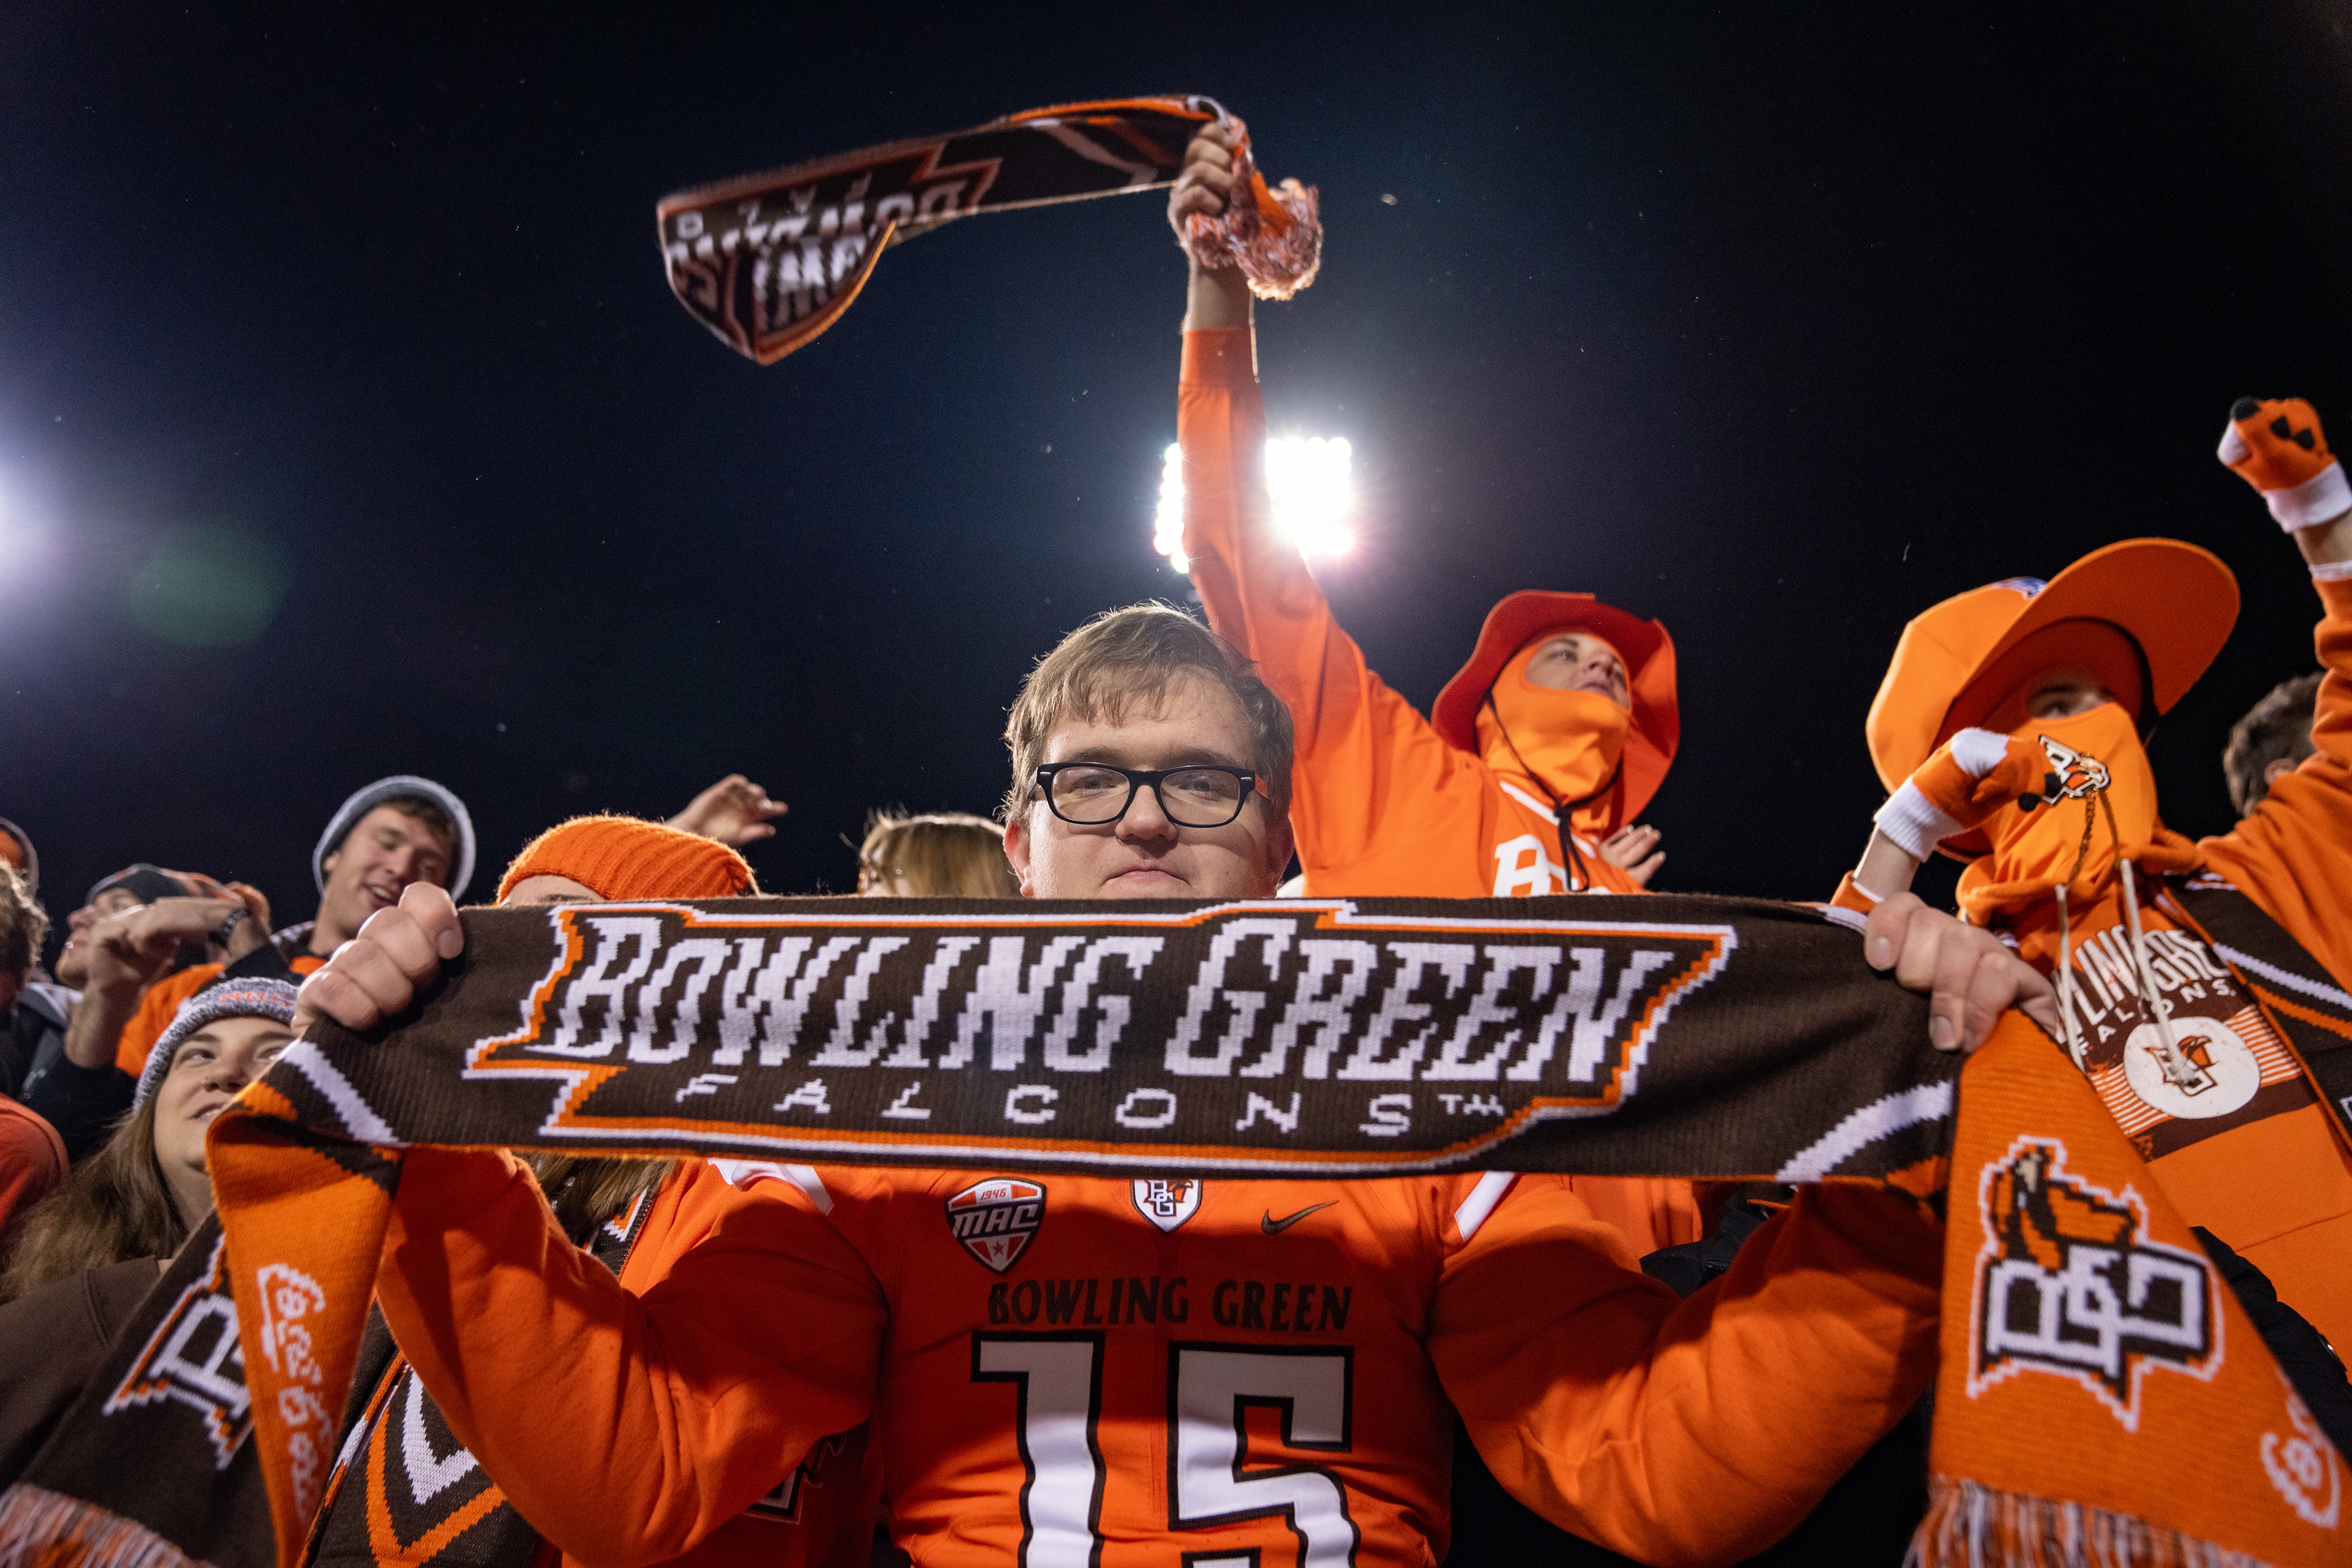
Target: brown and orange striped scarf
pixel 2100 1391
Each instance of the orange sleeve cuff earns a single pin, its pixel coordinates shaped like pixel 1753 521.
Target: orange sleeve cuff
pixel 1221 356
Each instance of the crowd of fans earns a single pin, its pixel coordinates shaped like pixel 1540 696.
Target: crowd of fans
pixel 1153 757
pixel 168 993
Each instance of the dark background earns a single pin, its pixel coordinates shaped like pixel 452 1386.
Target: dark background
pixel 343 331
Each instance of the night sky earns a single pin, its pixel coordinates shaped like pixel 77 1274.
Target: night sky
pixel 340 341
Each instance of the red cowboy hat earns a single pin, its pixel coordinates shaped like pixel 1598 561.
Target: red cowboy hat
pixel 1649 656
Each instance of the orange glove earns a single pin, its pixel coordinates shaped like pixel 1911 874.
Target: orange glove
pixel 1971 776
pixel 2276 446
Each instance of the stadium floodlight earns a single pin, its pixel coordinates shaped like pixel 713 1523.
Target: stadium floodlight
pixel 1168 527
pixel 1306 482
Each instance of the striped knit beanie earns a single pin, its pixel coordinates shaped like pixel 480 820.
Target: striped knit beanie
pixel 226 999
pixel 626 858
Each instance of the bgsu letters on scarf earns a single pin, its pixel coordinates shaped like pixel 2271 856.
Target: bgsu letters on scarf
pixel 768 261
pixel 2093 1360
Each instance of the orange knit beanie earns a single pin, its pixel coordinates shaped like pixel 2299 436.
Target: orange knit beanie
pixel 625 857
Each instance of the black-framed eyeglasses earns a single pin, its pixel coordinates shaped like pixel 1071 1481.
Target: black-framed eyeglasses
pixel 1091 793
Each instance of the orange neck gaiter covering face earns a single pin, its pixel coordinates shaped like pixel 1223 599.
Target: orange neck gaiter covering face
pixel 2045 847
pixel 1568 744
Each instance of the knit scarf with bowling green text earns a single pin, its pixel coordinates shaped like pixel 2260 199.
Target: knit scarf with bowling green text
pixel 2090 1355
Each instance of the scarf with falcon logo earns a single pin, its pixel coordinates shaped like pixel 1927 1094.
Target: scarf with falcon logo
pixel 2091 1354
pixel 768 261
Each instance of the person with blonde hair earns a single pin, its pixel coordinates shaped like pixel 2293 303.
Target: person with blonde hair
pixel 934 855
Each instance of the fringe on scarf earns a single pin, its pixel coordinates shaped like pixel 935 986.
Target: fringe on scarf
pixel 1973 1526
pixel 42 1529
pixel 1275 237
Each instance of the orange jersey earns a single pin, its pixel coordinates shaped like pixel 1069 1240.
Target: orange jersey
pixel 1075 1370
pixel 1384 807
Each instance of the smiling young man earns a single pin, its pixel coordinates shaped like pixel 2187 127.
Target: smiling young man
pixel 1150 758
pixel 385 837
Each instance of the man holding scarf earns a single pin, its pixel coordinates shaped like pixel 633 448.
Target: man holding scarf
pixel 2201 983
pixel 634 1428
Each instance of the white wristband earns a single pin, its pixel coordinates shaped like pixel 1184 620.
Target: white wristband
pixel 2320 499
pixel 1913 822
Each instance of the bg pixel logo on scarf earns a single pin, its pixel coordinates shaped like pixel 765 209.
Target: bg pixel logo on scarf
pixel 2069 1282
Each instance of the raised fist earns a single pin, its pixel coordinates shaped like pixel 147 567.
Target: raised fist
pixel 2276 446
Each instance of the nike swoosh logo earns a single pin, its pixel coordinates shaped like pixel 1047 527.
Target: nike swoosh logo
pixel 1272 1227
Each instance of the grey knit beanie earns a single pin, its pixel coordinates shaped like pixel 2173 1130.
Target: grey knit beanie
pixel 224 999
pixel 347 816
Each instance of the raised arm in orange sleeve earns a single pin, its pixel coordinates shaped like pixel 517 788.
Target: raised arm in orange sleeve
pixel 627 1429
pixel 1368 763
pixel 1697 1431
pixel 2293 853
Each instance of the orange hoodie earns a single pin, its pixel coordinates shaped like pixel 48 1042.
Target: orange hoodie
pixel 2292 856
pixel 1382 806
pixel 2273 1177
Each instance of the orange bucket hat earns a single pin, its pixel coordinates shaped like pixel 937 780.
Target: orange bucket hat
pixel 2175 602
pixel 1649 656
pixel 626 858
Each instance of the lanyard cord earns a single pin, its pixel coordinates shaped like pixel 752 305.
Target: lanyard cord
pixel 2075 1047
pixel 2177 1068
pixel 1562 814
pixel 2176 1065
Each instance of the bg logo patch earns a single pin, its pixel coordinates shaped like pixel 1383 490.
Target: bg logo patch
pixel 995 1219
pixel 2069 1282
pixel 1167 1204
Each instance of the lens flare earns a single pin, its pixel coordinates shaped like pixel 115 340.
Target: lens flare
pixel 1307 479
pixel 1307 486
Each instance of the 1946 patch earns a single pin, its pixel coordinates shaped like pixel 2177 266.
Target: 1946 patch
pixel 994 1219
